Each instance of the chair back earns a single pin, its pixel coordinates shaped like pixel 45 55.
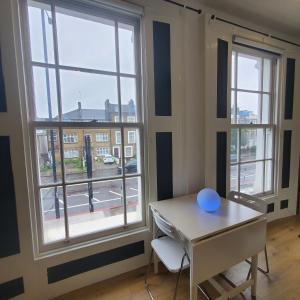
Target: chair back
pixel 249 201
pixel 164 226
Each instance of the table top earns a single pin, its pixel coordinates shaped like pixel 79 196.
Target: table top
pixel 196 224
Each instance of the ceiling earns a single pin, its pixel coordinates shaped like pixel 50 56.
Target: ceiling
pixel 280 15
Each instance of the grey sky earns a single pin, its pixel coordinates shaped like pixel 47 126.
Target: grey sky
pixel 87 44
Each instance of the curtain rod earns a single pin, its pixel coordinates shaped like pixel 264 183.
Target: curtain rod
pixel 199 11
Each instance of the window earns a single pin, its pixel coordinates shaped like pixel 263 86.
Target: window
pixel 102 137
pixel 252 121
pixel 70 138
pixel 130 119
pixel 128 151
pixel 118 137
pixel 131 137
pixel 85 76
pixel 71 153
pixel 102 151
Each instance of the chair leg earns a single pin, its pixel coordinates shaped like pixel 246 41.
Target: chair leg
pixel 178 277
pixel 146 275
pixel 267 270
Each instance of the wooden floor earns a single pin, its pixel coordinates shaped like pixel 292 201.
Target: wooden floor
pixel 283 283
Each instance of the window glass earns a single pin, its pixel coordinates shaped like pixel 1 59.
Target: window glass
pixel 88 51
pixel 85 90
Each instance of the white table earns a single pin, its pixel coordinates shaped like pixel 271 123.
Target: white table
pixel 218 240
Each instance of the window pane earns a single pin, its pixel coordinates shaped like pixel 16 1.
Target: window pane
pixel 134 199
pixel 128 98
pixel 94 153
pixel 85 41
pixel 48 155
pixel 52 214
pixel 233 69
pixel 248 108
pixel 252 144
pixel 234 178
pixel 132 151
pixel 249 72
pixel 95 207
pixel 251 178
pixel 41 32
pixel 233 112
pixel 234 145
pixel 45 93
pixel 88 97
pixel 267 75
pixel 268 175
pixel 265 109
pixel 269 143
pixel 126 48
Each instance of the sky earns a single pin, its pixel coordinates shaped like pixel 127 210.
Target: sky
pixel 81 43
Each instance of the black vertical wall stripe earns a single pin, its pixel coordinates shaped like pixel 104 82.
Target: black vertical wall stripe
pixel 11 288
pixel 78 266
pixel 221 163
pixel 9 234
pixel 286 159
pixel 162 68
pixel 289 88
pixel 164 165
pixel 284 204
pixel 222 79
pixel 270 208
pixel 3 107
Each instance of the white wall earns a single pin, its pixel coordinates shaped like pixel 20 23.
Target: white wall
pixel 193 50
pixel 187 91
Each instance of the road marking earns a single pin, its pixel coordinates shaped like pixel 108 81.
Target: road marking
pixel 86 204
pixel 115 193
pixel 97 200
pixel 134 189
pixel 62 202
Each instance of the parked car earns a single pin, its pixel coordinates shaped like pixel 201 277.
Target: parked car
pixel 109 159
pixel 130 167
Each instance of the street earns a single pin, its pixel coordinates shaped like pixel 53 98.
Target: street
pixel 107 197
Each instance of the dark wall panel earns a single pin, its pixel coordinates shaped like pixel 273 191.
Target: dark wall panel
pixel 221 163
pixel 11 288
pixel 9 235
pixel 162 68
pixel 164 165
pixel 284 204
pixel 289 88
pixel 270 208
pixel 78 266
pixel 222 79
pixel 3 107
pixel 286 159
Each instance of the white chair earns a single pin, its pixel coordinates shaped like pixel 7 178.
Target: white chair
pixel 171 250
pixel 258 205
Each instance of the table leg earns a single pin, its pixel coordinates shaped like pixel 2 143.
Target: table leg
pixel 254 260
pixel 193 287
pixel 154 231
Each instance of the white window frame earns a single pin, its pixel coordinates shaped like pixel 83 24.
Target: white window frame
pixel 61 125
pixel 118 137
pixel 272 116
pixel 72 153
pixel 102 151
pixel 130 119
pixel 131 141
pixel 100 137
pixel 131 151
pixel 70 138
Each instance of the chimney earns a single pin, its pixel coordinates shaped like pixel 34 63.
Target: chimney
pixel 79 105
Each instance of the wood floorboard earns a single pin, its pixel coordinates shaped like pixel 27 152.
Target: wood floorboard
pixel 283 282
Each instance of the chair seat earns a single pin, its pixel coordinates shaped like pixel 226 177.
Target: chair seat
pixel 170 253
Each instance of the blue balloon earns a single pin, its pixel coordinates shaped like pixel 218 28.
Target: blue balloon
pixel 209 200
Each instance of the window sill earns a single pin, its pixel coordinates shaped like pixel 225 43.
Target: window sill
pixel 92 243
